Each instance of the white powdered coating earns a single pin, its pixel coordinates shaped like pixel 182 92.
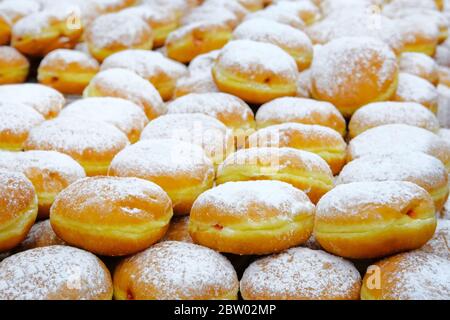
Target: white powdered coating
pixel 400 5
pixel 18 118
pixel 41 234
pixel 304 85
pixel 254 57
pixel 151 15
pixel 55 272
pixel 439 245
pixel 11 55
pixel 203 62
pixel 196 82
pixel 415 89
pixel 17 194
pixel 183 271
pixel 445 134
pixel 16 9
pixel 202 26
pixel 418 30
pixel 234 6
pixel 217 15
pixel 64 59
pixel 305 9
pixel 301 273
pixel 278 14
pixel 419 64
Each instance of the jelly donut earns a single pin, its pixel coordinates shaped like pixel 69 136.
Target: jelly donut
pixel 420 65
pixel 254 71
pixel 300 110
pixel 352 72
pixel 91 143
pixel 153 66
pixel 419 34
pixel 125 84
pixel 10 12
pixel 18 208
pixel 364 220
pixel 414 89
pixel 293 41
pixel 408 276
pixel 182 169
pixel 123 114
pixel 178 230
pixel 67 71
pixel 252 217
pixel 57 273
pixel 207 275
pixel 416 167
pixel 45 100
pixel 304 170
pixel 305 10
pixel 209 133
pixel 129 215
pixel 280 15
pixel 382 113
pixel 438 245
pixel 323 141
pixel 41 235
pixel 16 121
pixel 191 40
pixel 301 274
pixel 13 65
pixel 239 10
pixel 402 138
pixel 114 32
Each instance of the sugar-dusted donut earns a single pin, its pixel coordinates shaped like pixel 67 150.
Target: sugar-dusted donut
pixel 13 65
pixel 438 245
pixel 419 34
pixel 414 89
pixel 420 65
pixel 306 10
pixel 10 12
pixel 280 15
pixel 41 235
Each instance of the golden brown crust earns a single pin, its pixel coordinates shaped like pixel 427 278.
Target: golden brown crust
pixel 13 65
pixel 41 235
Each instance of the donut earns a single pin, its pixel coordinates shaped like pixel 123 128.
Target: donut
pixel 420 65
pixel 209 133
pixel 278 15
pixel 111 216
pixel 57 273
pixel 16 121
pixel 397 138
pixel 123 114
pixel 255 72
pixel 419 34
pixel 216 13
pixel 41 235
pixel 189 41
pixel 300 110
pixel 153 66
pixel 416 167
pixel 114 5
pixel 203 62
pixel 50 172
pixel 444 76
pixel 125 84
pixel 251 217
pixel 18 208
pixel 408 276
pixel 332 6
pixel 438 245
pixel 304 170
pixel 365 220
pixel 182 169
pixel 230 110
pixel 67 71
pixel 305 10
pixel 154 274
pixel 414 89
pixel 236 7
pixel 301 274
pixel 179 7
pixel 114 32
pixel 10 12
pixel 92 143
pixel 382 113
pixel 13 65
pixel 352 72
pixel 45 100
pixel 323 141
pixel 293 41
pixel 178 230
pixel 195 82
pixel 304 86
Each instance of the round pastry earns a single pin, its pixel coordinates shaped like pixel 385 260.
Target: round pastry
pixel 439 244
pixel 252 217
pixel 442 55
pixel 352 72
pixel 174 270
pixel 323 141
pixel 153 66
pixel 114 32
pixel 230 110
pixel 236 7
pixel 195 82
pixel 203 62
pixel 280 15
pixel 414 89
pixel 382 113
pixel 41 235
pixel 178 230
pixel 54 273
pixel 111 216
pixel 10 12
pixel 16 121
pixel 254 71
pixel 197 38
pixel 397 138
pixel 125 84
pixel 50 172
pixel 216 13
pixel 299 110
pixel 416 167
pixel 420 65
pixel 209 133
pixel 301 274
pixel 364 220
pixel 68 71
pixel 91 143
pixel 45 100
pixel 419 34
pixel 182 169
pixel 408 276
pixel 304 170
pixel 13 65
pixel 18 208
pixel 306 10
pixel 123 114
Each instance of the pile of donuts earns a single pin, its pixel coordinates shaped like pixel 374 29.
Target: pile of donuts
pixel 225 149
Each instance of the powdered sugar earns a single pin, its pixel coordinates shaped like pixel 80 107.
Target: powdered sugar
pixel 415 89
pixel 439 245
pixel 16 195
pixel 64 59
pixel 9 55
pixel 420 65
pixel 17 118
